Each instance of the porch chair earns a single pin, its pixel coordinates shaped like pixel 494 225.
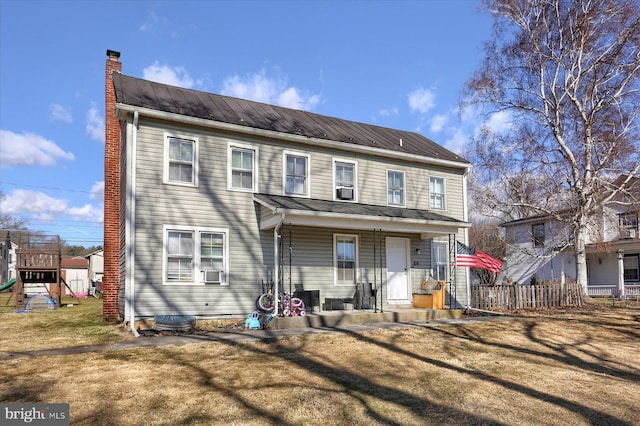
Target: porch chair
pixel 365 296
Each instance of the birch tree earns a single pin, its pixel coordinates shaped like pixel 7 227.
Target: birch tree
pixel 564 77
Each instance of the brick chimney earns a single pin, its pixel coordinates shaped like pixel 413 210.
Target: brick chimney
pixel 110 278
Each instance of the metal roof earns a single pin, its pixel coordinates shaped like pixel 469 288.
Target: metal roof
pixel 342 208
pixel 136 92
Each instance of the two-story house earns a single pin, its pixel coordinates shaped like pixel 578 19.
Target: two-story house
pixel 206 196
pixel 7 258
pixel 541 247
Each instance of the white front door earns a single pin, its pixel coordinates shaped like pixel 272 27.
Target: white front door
pixel 398 288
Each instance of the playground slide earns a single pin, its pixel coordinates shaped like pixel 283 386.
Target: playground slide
pixel 8 284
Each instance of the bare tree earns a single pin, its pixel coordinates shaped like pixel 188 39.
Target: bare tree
pixel 565 75
pixel 11 223
pixel 485 235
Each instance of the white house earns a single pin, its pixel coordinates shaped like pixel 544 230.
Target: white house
pixel 541 247
pixel 7 259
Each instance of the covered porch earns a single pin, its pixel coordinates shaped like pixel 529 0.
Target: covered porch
pixel 615 273
pixel 334 247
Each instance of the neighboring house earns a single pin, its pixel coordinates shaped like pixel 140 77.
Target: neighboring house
pixel 206 196
pixel 75 271
pixel 541 247
pixel 96 265
pixel 7 259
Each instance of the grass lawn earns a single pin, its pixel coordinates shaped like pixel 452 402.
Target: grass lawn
pixel 572 367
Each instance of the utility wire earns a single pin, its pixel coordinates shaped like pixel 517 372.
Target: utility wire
pixel 49 187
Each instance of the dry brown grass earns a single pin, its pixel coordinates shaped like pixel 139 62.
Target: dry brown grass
pixel 544 368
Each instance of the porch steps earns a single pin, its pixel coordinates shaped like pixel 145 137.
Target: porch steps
pixel 330 319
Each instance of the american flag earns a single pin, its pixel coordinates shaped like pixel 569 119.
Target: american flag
pixel 471 258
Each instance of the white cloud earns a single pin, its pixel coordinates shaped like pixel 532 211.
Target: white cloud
pixel 389 112
pixel 457 141
pixel 87 212
pixel 291 98
pixel 500 122
pixel 421 100
pixel 95 124
pixel 97 191
pixel 154 20
pixel 38 204
pixel 469 113
pixel 438 123
pixel 256 87
pixel 60 113
pixel 41 206
pixel 261 88
pixel 29 149
pixel 174 76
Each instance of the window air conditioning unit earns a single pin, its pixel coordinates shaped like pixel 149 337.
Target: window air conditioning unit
pixel 212 277
pixel 345 193
pixel 628 233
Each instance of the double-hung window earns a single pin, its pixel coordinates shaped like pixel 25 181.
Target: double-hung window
pixel 296 171
pixel 345 258
pixel 195 255
pixel 628 224
pixel 631 266
pixel 212 251
pixel 181 160
pixel 439 261
pixel 345 180
pixel 242 175
pixel 395 188
pixel 538 232
pixel 436 192
pixel 180 256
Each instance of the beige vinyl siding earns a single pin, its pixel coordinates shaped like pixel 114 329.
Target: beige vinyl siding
pixel 211 205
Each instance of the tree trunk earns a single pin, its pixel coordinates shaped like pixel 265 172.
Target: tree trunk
pixel 581 257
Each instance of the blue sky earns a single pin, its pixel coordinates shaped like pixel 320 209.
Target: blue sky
pixel 399 64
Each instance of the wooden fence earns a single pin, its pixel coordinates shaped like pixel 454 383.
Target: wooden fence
pixel 525 296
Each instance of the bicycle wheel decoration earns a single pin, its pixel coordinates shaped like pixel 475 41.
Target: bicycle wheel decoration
pixel 265 302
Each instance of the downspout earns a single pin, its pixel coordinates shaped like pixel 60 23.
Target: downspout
pixel 276 255
pixel 130 226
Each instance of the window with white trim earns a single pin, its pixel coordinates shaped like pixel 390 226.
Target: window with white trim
pixel 395 188
pixel 628 224
pixel 439 261
pixel 181 160
pixel 180 256
pixel 296 174
pixel 344 176
pixel 242 173
pixel 345 258
pixel 195 255
pixel 538 232
pixel 436 192
pixel 631 265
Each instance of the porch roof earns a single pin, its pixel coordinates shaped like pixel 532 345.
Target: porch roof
pixel 338 214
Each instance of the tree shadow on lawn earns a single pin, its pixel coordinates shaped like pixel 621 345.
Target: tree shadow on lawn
pixel 354 385
pixel 590 414
pixel 560 352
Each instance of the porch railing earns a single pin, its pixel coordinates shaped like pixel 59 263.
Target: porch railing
pixel 612 290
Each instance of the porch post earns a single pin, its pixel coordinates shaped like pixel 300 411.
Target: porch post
pixel 453 278
pixel 620 254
